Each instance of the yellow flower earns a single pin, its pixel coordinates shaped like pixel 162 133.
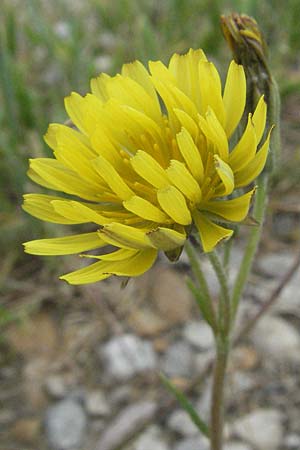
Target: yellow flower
pixel 149 163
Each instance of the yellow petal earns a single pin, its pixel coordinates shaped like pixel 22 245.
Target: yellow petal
pixel 234 97
pixel 210 90
pixel 105 120
pixel 187 122
pixel 56 130
pixel 183 102
pixel 181 178
pixel 234 210
pixel 170 102
pixel 71 152
pixel 138 73
pixel 166 239
pixel 67 245
pixel 59 177
pixel 85 112
pixel 174 98
pixel 245 149
pixel 141 124
pixel 145 209
pixel 214 132
pixel 185 69
pixel 98 87
pixel 38 180
pixel 259 118
pixel 40 206
pixel 130 267
pixel 190 154
pixel 173 203
pixel 255 166
pixel 74 105
pixel 170 91
pixel 77 211
pixel 103 146
pixel 112 178
pixel 160 72
pixel 149 169
pixel 128 92
pixel 118 255
pixel 210 233
pixel 225 173
pixel 124 236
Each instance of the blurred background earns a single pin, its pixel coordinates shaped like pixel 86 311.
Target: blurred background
pixel 47 50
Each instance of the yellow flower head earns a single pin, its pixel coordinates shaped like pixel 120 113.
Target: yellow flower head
pixel 149 163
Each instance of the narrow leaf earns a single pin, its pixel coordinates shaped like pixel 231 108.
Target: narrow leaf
pixel 186 405
pixel 203 304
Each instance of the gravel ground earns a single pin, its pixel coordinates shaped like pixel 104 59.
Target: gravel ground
pixel 81 372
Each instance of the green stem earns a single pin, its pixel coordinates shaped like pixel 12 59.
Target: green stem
pixel 195 264
pixel 201 293
pixel 224 302
pixel 217 403
pixel 222 351
pixel 251 248
pixel 226 255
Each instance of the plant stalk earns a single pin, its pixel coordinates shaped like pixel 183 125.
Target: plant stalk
pixel 217 402
pixel 224 300
pixel 251 248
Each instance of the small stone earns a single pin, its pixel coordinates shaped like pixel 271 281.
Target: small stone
pixel 178 360
pixel 26 430
pixel 292 441
pixel 65 425
pixel 288 300
pixel 161 344
pixel 285 225
pixel 97 426
pixel 55 386
pixel 244 358
pixel 120 395
pixel 194 443
pixel 203 405
pixel 96 403
pixel 237 446
pixel 128 355
pixel 35 372
pixel 150 439
pixel 199 334
pixel 126 424
pixel 146 323
pixel 276 338
pixel 261 428
pixel 274 264
pixel 202 361
pixel 180 422
pixel 174 308
pixel 34 339
pixel 241 383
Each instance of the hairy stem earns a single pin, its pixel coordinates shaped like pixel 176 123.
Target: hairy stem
pixel 251 248
pixel 224 301
pixel 217 402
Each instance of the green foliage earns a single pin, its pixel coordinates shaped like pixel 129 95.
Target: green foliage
pixel 186 405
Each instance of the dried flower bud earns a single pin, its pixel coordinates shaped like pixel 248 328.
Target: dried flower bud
pixel 249 48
